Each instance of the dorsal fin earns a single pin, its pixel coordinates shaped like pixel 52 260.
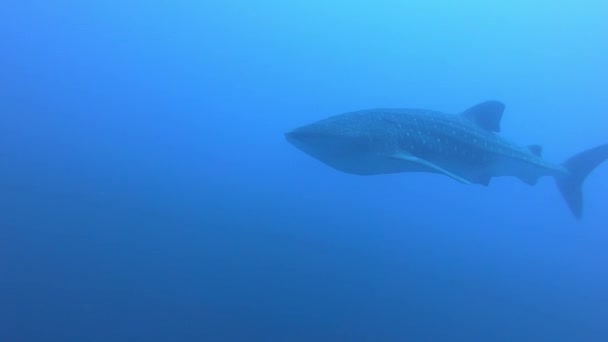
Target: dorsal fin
pixel 536 150
pixel 486 115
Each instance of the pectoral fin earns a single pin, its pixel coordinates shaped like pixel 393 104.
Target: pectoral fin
pixel 413 159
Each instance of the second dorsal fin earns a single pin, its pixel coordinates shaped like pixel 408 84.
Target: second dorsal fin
pixel 486 115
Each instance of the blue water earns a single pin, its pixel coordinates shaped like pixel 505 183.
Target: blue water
pixel 147 192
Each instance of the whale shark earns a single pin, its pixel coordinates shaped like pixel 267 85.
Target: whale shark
pixel 466 147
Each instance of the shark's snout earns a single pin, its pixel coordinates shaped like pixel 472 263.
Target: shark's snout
pixel 309 141
pixel 296 138
pixel 299 135
pixel 291 137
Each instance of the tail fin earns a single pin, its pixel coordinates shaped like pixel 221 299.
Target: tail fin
pixel 578 168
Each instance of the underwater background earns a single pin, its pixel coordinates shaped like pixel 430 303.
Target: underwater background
pixel 147 192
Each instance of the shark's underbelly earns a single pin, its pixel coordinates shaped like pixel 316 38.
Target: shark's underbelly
pixel 373 164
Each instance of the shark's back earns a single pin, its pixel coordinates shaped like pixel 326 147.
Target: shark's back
pixel 445 140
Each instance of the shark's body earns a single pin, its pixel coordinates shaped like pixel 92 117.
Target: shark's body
pixel 464 146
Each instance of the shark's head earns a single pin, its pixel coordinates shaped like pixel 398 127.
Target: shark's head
pixel 356 142
pixel 328 142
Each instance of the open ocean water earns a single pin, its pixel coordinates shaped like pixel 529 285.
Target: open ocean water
pixel 147 192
